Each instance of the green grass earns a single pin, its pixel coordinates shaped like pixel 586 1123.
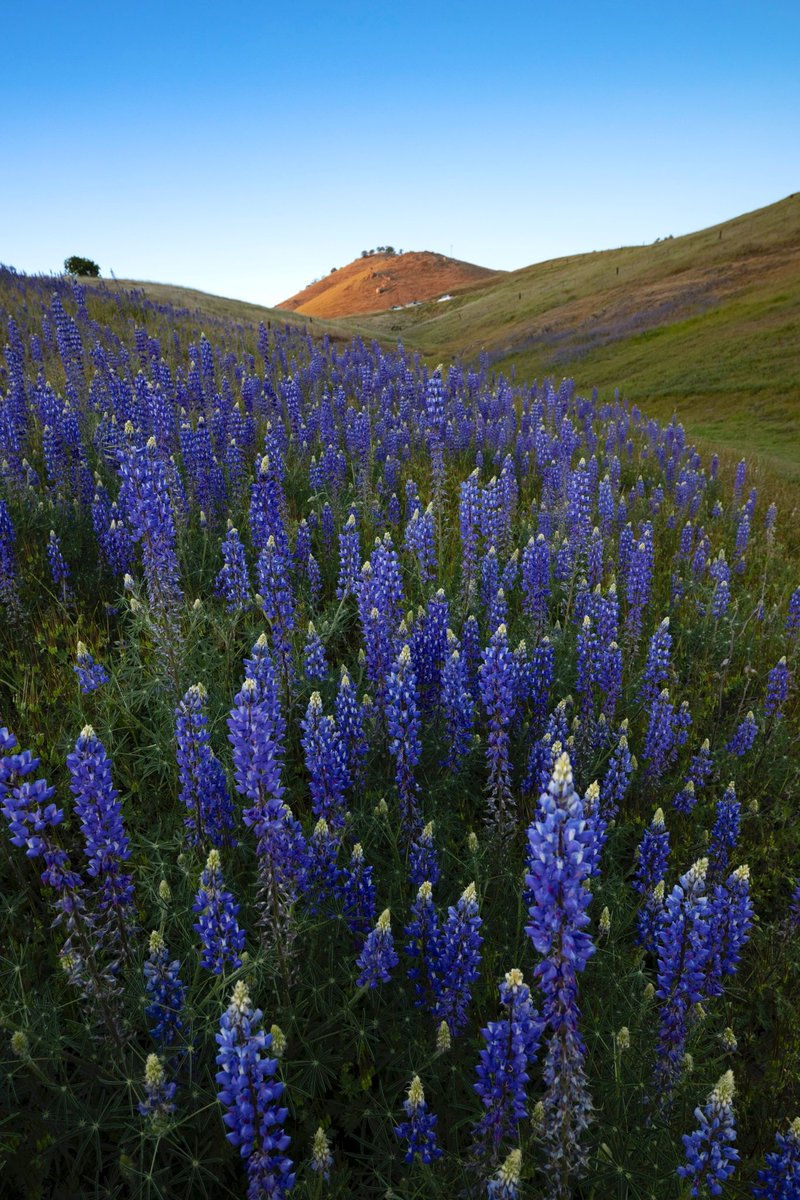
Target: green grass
pixel 705 326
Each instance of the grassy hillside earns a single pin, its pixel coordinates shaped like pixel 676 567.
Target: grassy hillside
pixel 203 306
pixel 706 325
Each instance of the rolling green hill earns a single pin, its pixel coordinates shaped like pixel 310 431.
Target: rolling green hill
pixel 706 325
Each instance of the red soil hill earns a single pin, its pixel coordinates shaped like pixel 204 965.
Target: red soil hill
pixel 383 281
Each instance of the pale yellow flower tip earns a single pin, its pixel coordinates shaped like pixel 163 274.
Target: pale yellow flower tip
pixel 562 771
pixel 153 1071
pixel 19 1044
pixel 724 1091
pixel 385 921
pixel 509 1172
pixel 157 943
pixel 416 1094
pixel 240 1000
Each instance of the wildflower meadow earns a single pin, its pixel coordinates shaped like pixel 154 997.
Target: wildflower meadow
pixel 398 776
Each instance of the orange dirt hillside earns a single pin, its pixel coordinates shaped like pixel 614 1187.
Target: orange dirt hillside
pixel 382 281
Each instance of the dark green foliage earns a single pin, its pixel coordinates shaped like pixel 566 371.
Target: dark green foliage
pixel 75 265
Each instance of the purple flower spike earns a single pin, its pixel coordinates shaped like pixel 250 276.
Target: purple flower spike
pixel 419 1131
pixel 711 1156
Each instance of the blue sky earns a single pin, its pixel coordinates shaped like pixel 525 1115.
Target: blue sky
pixel 246 149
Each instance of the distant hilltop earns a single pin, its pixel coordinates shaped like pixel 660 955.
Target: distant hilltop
pixel 380 281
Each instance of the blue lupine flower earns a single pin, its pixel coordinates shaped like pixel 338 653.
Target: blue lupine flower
pixel 640 578
pixel 423 859
pixel 497 694
pixel 315 663
pixel 666 732
pixel 377 632
pixel 358 894
pixel 233 581
pixel 424 947
pixel 511 1045
pixel 250 1094
pixel 780 1178
pixel 280 847
pixel 685 800
pixel 350 726
pixel 794 907
pixel 388 580
pixel 321 885
pixel 403 720
pixel 349 558
pixel 504 1184
pixel 730 915
pixel 615 782
pixel 419 1131
pixel 560 856
pixel 468 508
pixel 325 761
pixel 683 952
pixel 277 602
pixel 221 938
pixel 777 690
pixel 91 675
pixel 536 578
pixel 457 709
pixel 165 991
pixel 321 1157
pixel 651 869
pixel 458 961
pixel 204 792
pixel 725 832
pixel 656 669
pixel 159 1094
pixel 792 614
pixel 9 585
pixel 106 844
pixel 744 736
pixel 421 542
pixel 378 955
pixel 144 498
pixel 711 1156
pixel 59 569
pixel 701 766
pixel 32 819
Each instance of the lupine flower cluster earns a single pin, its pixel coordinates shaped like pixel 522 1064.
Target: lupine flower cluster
pixel 496 633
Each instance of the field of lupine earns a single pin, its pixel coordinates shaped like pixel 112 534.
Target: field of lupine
pixel 398 777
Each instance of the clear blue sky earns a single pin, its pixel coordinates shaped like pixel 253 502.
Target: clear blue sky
pixel 247 148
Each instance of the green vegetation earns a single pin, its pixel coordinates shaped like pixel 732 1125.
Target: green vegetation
pixel 75 265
